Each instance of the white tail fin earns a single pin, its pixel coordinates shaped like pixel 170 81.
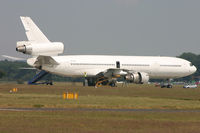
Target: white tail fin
pixel 33 33
pixel 37 43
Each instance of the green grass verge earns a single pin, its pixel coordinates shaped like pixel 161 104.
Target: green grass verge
pixel 98 122
pixel 133 97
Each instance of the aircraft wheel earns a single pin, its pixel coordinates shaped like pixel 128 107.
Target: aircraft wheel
pixel 169 86
pixel 112 84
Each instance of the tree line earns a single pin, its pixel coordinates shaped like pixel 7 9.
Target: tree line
pixel 12 70
pixel 15 71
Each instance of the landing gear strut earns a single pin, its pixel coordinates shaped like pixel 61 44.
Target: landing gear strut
pixel 49 82
pixel 166 84
pixel 112 84
pixel 97 82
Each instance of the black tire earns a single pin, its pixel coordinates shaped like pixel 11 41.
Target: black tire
pixel 169 86
pixel 112 84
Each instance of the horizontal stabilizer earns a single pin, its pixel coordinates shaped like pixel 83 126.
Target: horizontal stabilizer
pixel 13 58
pixel 27 68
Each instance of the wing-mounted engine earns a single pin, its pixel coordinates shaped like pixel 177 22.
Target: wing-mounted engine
pixel 137 77
pixel 110 76
pixel 35 49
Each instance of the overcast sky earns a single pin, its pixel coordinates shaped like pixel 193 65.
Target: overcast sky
pixel 114 27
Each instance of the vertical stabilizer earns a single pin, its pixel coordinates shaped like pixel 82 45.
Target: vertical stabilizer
pixel 37 43
pixel 33 33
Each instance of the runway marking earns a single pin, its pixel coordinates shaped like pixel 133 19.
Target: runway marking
pixel 10 109
pixel 90 109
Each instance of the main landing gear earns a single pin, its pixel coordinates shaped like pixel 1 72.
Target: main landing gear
pixel 97 82
pixel 167 84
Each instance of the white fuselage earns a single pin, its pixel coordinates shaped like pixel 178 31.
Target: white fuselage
pixel 45 57
pixel 157 67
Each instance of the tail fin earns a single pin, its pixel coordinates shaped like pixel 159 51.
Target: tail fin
pixel 33 33
pixel 37 43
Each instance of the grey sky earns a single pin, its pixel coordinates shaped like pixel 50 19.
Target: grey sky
pixel 124 27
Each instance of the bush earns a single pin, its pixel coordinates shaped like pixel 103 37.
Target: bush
pixel 19 81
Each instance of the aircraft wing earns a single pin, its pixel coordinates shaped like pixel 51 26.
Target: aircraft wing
pixel 110 76
pixel 13 58
pixel 45 60
pixel 113 72
pixel 27 68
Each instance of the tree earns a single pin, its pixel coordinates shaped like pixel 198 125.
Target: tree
pixel 2 74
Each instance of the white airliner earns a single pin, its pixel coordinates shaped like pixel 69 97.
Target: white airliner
pixel 98 69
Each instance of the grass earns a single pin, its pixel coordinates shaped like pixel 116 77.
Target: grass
pixel 101 122
pixel 76 121
pixel 133 97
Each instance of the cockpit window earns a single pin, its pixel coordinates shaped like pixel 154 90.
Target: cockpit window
pixel 191 64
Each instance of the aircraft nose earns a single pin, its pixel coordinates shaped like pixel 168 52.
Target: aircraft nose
pixel 193 69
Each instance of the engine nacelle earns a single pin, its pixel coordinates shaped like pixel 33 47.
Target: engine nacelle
pixel 138 77
pixel 52 48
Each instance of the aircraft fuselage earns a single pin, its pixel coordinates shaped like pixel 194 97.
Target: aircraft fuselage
pixel 157 67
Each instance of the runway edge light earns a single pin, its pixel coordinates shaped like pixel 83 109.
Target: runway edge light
pixel 14 90
pixel 70 95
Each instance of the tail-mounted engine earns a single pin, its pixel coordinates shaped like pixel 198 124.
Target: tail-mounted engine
pixel 31 48
pixel 138 77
